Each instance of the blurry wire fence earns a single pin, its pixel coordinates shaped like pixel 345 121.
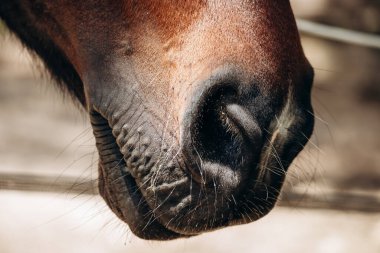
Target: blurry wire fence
pixel 327 199
pixel 338 34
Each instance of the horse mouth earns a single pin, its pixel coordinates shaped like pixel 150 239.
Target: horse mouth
pixel 160 200
pixel 119 188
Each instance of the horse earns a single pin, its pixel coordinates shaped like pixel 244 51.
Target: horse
pixel 198 107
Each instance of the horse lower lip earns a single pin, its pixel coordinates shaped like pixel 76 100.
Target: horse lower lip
pixel 244 121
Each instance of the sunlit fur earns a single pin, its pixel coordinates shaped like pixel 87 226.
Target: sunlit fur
pixel 157 78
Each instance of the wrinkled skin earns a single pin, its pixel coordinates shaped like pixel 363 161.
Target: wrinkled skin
pixel 198 106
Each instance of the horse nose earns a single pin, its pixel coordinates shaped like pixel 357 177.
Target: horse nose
pixel 221 138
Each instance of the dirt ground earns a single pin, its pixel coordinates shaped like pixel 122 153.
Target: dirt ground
pixel 43 133
pixel 35 222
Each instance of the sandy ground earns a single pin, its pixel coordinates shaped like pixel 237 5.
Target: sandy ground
pixel 42 133
pixel 35 222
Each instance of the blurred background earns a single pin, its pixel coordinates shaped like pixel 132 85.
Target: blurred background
pixel 331 200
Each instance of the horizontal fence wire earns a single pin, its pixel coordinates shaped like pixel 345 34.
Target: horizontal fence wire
pixel 338 34
pixel 329 199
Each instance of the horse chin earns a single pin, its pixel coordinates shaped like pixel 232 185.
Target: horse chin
pixel 121 193
pixel 162 212
pixel 158 200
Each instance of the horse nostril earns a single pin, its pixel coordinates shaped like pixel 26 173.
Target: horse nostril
pixel 225 137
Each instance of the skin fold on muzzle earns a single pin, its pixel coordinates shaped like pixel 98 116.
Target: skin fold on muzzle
pixel 197 107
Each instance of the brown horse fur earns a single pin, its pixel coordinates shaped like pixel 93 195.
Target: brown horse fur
pixel 198 106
